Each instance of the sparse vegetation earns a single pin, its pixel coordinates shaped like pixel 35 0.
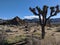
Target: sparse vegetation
pixel 21 35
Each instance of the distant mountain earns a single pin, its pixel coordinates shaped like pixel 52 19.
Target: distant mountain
pixel 15 21
pixel 55 21
pixel 31 20
pixel 52 21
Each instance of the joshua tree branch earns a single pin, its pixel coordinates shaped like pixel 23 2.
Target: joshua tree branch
pixel 57 9
pixel 33 10
pixel 39 10
pixel 51 15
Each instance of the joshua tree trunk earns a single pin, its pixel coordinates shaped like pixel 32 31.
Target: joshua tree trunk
pixel 43 31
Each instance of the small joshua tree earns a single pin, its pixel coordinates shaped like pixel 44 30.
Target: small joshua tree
pixel 43 15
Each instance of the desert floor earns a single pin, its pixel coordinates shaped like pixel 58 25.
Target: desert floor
pixel 31 35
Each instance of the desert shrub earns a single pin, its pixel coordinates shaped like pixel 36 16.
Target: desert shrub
pixel 15 39
pixel 55 25
pixel 49 29
pixel 3 36
pixel 58 29
pixel 8 30
pixel 36 33
pixel 52 26
pixel 12 25
pixel 4 43
pixel 26 30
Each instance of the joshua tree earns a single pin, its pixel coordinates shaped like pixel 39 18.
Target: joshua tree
pixel 43 15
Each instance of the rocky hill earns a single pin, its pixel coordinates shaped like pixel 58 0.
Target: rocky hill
pixel 15 21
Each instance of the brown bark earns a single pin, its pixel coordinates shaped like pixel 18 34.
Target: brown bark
pixel 43 32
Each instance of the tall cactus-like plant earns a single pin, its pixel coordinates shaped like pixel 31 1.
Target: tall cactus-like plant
pixel 43 15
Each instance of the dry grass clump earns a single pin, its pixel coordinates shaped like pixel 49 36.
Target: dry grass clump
pixel 14 39
pixel 49 29
pixel 37 33
pixel 8 30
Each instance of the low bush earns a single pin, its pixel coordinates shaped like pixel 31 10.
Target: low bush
pixel 58 29
pixel 8 30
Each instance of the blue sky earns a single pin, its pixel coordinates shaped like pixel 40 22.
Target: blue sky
pixel 12 8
